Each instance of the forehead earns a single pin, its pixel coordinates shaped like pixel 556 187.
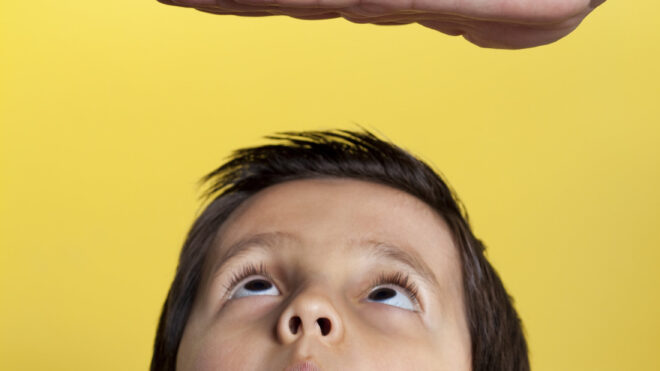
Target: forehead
pixel 330 214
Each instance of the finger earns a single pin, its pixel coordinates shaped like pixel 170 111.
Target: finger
pixel 502 35
pixel 307 13
pixel 305 16
pixel 519 11
pixel 318 4
pixel 392 18
pixel 229 7
pixel 238 13
pixel 391 23
pixel 169 2
pixel 449 28
pixel 318 16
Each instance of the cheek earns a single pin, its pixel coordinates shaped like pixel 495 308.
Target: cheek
pixel 222 351
pixel 392 322
pixel 372 352
pixel 389 338
pixel 237 339
pixel 225 355
pixel 394 354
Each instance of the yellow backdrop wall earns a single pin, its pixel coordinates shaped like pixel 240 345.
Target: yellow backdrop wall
pixel 110 112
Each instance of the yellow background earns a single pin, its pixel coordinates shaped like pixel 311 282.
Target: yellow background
pixel 111 110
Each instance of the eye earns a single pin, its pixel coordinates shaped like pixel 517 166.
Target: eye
pixel 254 285
pixel 392 295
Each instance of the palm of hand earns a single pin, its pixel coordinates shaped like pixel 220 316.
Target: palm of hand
pixel 489 23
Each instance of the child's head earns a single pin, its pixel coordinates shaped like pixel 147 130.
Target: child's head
pixel 339 249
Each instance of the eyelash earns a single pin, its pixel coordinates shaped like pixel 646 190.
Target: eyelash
pixel 245 272
pixel 399 279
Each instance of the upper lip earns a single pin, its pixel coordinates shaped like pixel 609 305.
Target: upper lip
pixel 306 365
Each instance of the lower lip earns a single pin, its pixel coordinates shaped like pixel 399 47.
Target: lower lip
pixel 305 366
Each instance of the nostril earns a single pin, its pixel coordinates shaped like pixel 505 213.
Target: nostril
pixel 325 326
pixel 294 324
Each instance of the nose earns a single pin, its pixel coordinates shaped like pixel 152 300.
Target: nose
pixel 310 314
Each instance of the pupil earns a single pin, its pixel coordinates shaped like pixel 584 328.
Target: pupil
pixel 258 285
pixel 382 294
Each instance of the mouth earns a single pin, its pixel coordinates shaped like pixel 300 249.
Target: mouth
pixel 303 366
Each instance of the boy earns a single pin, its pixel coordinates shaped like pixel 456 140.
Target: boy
pixel 334 250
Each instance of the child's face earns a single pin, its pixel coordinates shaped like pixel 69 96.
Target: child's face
pixel 332 291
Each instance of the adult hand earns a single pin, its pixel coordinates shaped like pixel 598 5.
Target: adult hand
pixel 509 24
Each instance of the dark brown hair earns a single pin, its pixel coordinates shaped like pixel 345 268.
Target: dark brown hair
pixel 497 338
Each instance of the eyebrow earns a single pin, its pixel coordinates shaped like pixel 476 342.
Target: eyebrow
pixel 393 252
pixel 260 241
pixel 381 249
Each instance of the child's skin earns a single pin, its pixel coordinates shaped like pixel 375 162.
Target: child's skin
pixel 325 243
